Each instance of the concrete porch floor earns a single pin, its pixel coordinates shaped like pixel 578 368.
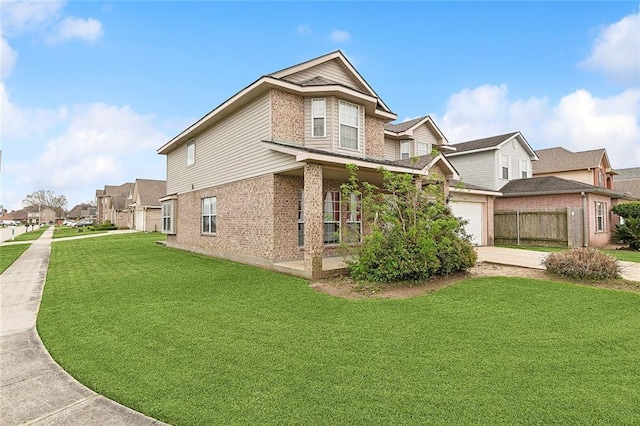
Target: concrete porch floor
pixel 330 266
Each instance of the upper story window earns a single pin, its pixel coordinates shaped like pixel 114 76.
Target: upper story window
pixel 423 148
pixel 504 166
pixel 524 169
pixel 318 117
pixel 209 215
pixel 191 152
pixel 600 178
pixel 349 125
pixel 405 149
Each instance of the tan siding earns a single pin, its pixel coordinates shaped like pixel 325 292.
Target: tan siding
pixel 424 134
pixel 583 176
pixel 229 151
pixel 318 143
pixel 331 70
pixel 391 149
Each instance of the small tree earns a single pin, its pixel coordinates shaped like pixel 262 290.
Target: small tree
pixel 629 231
pixel 413 234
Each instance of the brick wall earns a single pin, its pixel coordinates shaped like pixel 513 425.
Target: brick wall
pixel 374 137
pixel 244 219
pixel 287 117
pixel 154 220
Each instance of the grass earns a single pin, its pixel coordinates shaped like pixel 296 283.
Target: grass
pixel 624 255
pixel 9 254
pixel 31 235
pixel 192 340
pixel 65 231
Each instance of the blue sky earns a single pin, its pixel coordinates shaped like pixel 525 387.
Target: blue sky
pixel 90 90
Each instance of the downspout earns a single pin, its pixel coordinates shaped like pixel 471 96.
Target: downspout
pixel 585 221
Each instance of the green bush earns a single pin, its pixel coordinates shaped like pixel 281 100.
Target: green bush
pixel 628 233
pixel 627 210
pixel 413 234
pixel 104 226
pixel 583 263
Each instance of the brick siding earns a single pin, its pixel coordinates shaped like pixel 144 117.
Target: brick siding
pixel 374 137
pixel 287 117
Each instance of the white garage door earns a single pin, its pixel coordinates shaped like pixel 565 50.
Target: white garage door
pixel 140 220
pixel 471 212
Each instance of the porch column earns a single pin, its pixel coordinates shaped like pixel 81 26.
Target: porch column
pixel 313 219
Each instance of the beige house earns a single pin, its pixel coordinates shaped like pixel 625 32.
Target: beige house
pixel 258 178
pixel 111 203
pixel 590 167
pixel 144 204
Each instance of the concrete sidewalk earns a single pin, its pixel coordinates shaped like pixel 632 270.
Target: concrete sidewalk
pixel 33 388
pixel 533 259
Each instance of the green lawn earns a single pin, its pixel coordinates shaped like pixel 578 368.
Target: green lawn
pixel 31 235
pixel 192 340
pixel 65 231
pixel 625 255
pixel 9 254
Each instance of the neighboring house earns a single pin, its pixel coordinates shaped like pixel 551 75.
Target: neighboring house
pixel 82 211
pixel 485 165
pixel 494 161
pixel 590 167
pixel 258 178
pixel 19 215
pixel 111 203
pixel 145 204
pixel 589 206
pixel 41 216
pixel 627 181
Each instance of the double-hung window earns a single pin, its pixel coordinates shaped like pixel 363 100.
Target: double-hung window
pixel 504 166
pixel 349 125
pixel 423 148
pixel 209 213
pixel 191 152
pixel 301 218
pixel 332 217
pixel 354 220
pixel 405 150
pixel 524 169
pixel 600 219
pixel 318 117
pixel 167 217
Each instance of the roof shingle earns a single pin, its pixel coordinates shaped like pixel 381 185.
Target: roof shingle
pixel 558 159
pixel 489 142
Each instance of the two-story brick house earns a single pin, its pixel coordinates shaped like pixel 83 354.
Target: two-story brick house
pixel 258 178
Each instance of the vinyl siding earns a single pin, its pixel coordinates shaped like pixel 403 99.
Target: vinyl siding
pixel 583 176
pixel 229 151
pixel 515 155
pixel 319 143
pixel 424 134
pixel 391 149
pixel 331 70
pixel 477 169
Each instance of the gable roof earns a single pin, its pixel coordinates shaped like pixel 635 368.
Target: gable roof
pixel 321 86
pixel 405 125
pixel 150 191
pixel 631 187
pixel 491 143
pixel 549 185
pixel 77 210
pixel 559 159
pixel 631 173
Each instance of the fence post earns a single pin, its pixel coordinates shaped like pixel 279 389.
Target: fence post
pixel 518 225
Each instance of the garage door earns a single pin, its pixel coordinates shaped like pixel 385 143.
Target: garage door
pixel 140 220
pixel 472 213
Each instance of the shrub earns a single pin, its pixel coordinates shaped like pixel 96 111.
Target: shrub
pixel 413 234
pixel 627 210
pixel 583 263
pixel 628 233
pixel 104 226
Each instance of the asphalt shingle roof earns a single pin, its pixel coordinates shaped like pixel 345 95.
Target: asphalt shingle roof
pixel 550 185
pixel 404 126
pixel 559 159
pixel 627 174
pixel 150 191
pixel 489 142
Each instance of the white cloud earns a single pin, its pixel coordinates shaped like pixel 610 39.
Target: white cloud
pixel 8 58
pixel 76 28
pixel 19 16
pixel 616 50
pixel 578 122
pixel 304 30
pixel 340 36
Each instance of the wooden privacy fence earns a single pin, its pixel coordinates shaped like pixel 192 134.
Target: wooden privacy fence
pixel 539 227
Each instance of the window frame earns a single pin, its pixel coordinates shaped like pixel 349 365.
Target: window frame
pixel 211 214
pixel 406 144
pixel 600 216
pixel 167 216
pixel 323 117
pixel 426 144
pixel 524 169
pixel 191 152
pixel 332 217
pixel 345 104
pixel 354 217
pixel 301 218
pixel 504 164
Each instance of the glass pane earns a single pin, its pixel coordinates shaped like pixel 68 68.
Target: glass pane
pixel 348 137
pixel 300 234
pixel 205 225
pixel 213 224
pixel 318 127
